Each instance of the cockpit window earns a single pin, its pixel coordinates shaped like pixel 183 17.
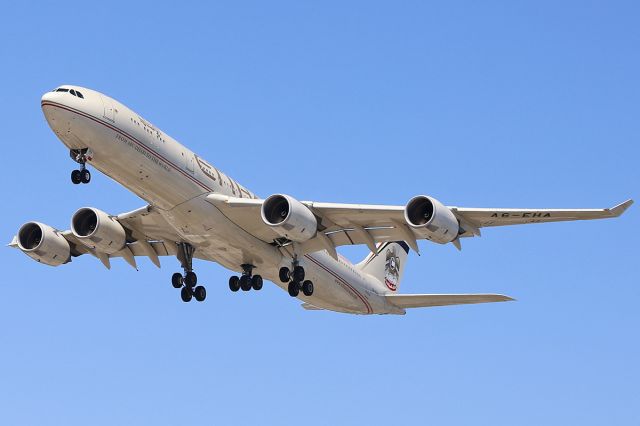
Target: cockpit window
pixel 72 91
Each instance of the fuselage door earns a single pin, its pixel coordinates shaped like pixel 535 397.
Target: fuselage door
pixel 189 162
pixel 109 109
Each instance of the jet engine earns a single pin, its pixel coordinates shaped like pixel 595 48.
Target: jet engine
pixel 43 244
pixel 97 230
pixel 431 219
pixel 289 218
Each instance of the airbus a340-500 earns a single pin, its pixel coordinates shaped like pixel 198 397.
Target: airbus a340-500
pixel 196 211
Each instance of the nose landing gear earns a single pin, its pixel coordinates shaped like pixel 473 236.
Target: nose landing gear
pixel 189 280
pixel 83 175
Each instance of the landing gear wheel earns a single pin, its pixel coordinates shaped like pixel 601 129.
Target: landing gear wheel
pixel 284 274
pixel 294 288
pixel 176 280
pixel 298 273
pixel 307 288
pixel 190 279
pixel 76 177
pixel 200 293
pixel 245 283
pixel 186 294
pixel 85 176
pixel 256 282
pixel 234 283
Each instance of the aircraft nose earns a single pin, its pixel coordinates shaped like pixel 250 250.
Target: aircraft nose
pixel 51 113
pixel 48 96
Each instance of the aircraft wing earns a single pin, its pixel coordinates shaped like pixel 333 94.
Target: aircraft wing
pixel 500 217
pixel 148 234
pixel 430 300
pixel 350 224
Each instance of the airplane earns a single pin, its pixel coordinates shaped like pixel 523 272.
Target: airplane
pixel 195 211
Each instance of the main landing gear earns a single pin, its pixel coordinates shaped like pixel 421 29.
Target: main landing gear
pixel 83 175
pixel 188 281
pixel 247 281
pixel 296 280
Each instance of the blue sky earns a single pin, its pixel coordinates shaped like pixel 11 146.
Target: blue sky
pixel 486 104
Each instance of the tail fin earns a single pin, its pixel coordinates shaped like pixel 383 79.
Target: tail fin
pixel 386 264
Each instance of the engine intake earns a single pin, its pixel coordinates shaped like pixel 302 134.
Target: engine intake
pixel 43 244
pixel 431 219
pixel 289 218
pixel 97 230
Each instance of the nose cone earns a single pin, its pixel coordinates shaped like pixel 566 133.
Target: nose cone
pixel 52 113
pixel 49 96
pixel 53 98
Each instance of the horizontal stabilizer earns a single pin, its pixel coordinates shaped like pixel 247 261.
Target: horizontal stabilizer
pixel 428 300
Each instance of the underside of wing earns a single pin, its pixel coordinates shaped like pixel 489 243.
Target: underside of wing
pixel 336 224
pixel 147 223
pixel 485 217
pixel 142 232
pixel 430 300
pixel 148 235
pixel 305 227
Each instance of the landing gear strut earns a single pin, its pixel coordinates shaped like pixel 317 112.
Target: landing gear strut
pixel 296 280
pixel 83 175
pixel 187 281
pixel 246 281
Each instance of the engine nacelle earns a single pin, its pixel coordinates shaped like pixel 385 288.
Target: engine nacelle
pixel 289 218
pixel 97 230
pixel 43 244
pixel 431 219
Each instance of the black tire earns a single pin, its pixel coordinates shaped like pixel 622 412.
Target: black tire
pixel 298 274
pixel 200 293
pixel 75 177
pixel 234 283
pixel 307 288
pixel 284 274
pixel 245 283
pixel 190 279
pixel 85 176
pixel 186 294
pixel 176 280
pixel 294 288
pixel 256 282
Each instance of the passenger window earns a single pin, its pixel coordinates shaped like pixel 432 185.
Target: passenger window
pixel 79 95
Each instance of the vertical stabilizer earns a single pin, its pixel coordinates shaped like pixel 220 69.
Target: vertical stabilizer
pixel 387 264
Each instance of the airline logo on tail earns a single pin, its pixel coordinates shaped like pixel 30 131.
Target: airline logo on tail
pixel 392 269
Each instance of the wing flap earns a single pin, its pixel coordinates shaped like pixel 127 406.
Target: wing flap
pixel 430 300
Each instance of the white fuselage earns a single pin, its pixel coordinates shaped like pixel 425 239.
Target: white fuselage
pixel 175 181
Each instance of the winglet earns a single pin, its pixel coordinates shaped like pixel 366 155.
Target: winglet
pixel 620 208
